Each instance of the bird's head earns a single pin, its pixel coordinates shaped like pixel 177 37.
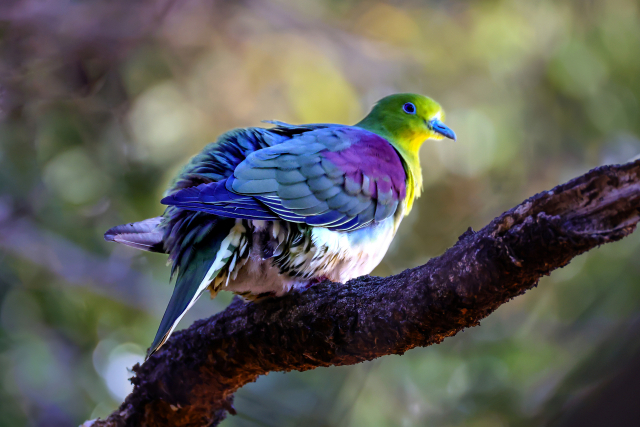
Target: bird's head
pixel 407 120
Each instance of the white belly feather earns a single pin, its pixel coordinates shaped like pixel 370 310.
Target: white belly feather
pixel 336 256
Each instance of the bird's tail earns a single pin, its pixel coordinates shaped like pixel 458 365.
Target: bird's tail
pixel 208 261
pixel 145 235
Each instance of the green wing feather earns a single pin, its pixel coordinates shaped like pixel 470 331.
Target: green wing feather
pixel 206 262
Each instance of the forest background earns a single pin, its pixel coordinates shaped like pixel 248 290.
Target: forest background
pixel 102 102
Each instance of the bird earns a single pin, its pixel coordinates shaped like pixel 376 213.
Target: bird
pixel 263 212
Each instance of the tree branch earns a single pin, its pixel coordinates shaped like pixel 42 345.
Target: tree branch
pixel 191 380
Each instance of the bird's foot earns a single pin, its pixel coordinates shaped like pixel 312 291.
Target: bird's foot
pixel 315 281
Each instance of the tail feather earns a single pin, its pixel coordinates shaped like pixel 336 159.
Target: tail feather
pixel 208 260
pixel 185 294
pixel 144 235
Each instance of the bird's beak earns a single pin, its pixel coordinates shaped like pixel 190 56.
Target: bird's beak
pixel 440 128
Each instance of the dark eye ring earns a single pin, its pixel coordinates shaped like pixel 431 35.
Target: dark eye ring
pixel 409 108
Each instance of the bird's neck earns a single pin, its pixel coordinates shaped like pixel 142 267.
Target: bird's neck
pixel 407 148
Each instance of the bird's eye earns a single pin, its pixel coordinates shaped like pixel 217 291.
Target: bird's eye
pixel 409 108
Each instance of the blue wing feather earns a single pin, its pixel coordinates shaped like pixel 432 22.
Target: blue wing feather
pixel 216 199
pixel 288 177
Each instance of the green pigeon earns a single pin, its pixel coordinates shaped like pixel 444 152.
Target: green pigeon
pixel 263 212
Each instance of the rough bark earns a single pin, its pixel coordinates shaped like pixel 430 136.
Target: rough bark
pixel 191 380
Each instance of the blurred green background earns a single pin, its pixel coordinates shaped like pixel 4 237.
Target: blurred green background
pixel 102 101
